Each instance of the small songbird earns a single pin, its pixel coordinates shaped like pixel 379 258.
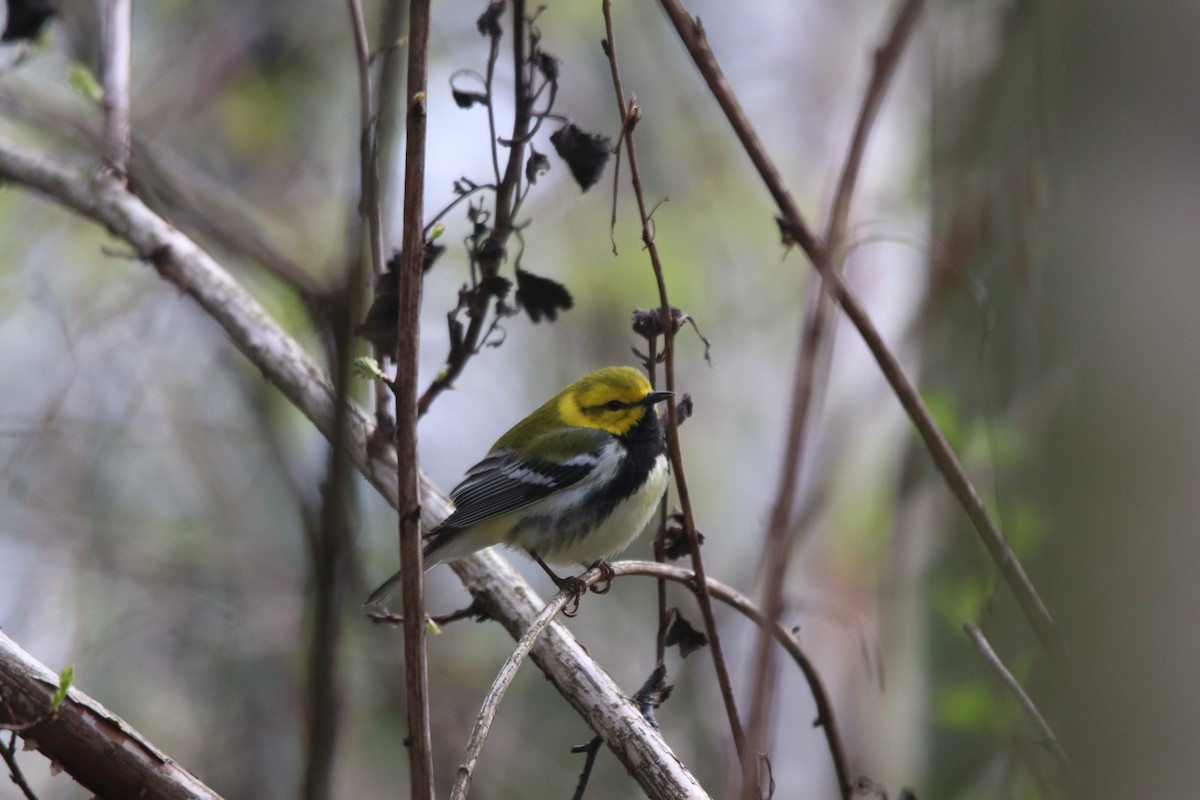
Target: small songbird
pixel 576 481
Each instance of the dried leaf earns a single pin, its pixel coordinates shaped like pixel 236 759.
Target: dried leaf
pixel 675 538
pixel 465 99
pixel 488 23
pixel 541 297
pixel 683 634
pixel 537 165
pixel 585 153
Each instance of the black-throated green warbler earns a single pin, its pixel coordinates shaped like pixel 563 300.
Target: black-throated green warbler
pixel 575 481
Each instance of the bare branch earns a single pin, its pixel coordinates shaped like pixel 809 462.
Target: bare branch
pixel 811 371
pixel 500 684
pixel 96 747
pixel 630 114
pixel 368 153
pixel 412 255
pixel 118 47
pixel 1031 710
pixel 579 679
pixel 960 484
pixel 786 639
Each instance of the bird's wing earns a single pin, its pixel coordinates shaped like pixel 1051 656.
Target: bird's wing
pixel 508 479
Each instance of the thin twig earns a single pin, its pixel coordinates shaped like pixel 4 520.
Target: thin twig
pixel 508 193
pixel 14 769
pixel 692 36
pixel 812 360
pixel 629 116
pixel 387 133
pixel 387 104
pixel 660 637
pixel 118 49
pixel 368 152
pixel 1048 738
pixel 592 749
pixel 500 684
pixel 412 253
pixel 744 606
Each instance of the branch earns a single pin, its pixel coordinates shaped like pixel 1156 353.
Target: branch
pixel 692 35
pixel 742 604
pixel 412 252
pixel 663 572
pixel 812 361
pixel 1031 710
pixel 368 154
pixel 500 684
pixel 117 43
pixel 508 199
pixel 508 597
pixel 579 679
pixel 630 114
pixel 96 747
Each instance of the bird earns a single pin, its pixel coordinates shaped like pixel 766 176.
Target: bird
pixel 576 481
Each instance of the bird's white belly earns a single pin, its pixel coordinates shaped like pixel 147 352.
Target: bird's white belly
pixel 616 532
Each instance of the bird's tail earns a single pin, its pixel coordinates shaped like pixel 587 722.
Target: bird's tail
pixel 386 591
pixel 444 544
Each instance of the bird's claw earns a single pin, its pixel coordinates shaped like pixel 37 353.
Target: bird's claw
pixel 606 577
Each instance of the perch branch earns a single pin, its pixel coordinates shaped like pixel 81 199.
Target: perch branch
pixel 500 684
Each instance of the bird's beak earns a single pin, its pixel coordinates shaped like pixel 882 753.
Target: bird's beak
pixel 656 397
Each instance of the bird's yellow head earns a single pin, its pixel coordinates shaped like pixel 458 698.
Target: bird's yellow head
pixel 613 399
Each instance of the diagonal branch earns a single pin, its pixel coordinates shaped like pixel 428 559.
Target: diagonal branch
pixel 508 597
pixel 95 746
pixel 785 638
pixel 691 33
pixel 1049 740
pixel 814 353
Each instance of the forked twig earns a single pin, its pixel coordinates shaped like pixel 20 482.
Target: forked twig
pixel 731 597
pixel 500 684
pixel 743 605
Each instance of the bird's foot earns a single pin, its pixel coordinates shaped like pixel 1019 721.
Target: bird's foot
pixel 606 576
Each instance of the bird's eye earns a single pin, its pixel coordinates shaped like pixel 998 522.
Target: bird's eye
pixel 614 405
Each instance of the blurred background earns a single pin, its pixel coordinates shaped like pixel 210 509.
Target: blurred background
pixel 1025 236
